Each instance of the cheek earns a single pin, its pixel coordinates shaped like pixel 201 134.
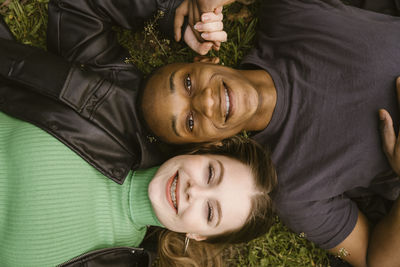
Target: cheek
pixel 211 133
pixel 226 132
pixel 153 191
pixel 157 186
pixel 193 219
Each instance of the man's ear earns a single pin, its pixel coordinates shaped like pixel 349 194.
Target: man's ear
pixel 196 237
pixel 205 59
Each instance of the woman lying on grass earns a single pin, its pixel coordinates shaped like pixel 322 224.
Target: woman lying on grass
pixel 215 194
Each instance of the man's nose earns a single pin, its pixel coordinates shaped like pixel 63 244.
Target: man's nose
pixel 203 102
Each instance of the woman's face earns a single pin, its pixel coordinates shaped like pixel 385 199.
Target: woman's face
pixel 203 195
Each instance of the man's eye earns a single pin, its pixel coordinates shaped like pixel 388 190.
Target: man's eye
pixel 190 122
pixel 188 84
pixel 210 212
pixel 210 173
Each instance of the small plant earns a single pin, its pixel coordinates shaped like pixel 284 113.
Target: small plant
pixel 27 20
pixel 154 49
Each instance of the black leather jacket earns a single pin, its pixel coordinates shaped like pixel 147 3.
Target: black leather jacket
pixel 115 257
pixel 89 105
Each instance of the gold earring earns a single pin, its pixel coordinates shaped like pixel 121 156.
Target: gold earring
pixel 187 239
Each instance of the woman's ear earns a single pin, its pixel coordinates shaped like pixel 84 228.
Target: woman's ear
pixel 205 59
pixel 196 237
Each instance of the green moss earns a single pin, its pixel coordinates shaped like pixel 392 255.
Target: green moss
pixel 27 20
pixel 280 247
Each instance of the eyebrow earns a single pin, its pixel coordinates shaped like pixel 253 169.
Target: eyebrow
pixel 219 213
pixel 220 178
pixel 172 89
pixel 221 173
pixel 171 82
pixel 173 122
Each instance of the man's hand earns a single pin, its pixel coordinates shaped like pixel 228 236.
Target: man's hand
pixel 199 7
pixel 391 143
pixel 210 5
pixel 203 32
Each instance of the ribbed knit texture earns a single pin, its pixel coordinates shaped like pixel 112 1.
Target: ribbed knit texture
pixel 54 206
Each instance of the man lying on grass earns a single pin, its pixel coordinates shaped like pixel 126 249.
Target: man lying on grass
pixel 311 88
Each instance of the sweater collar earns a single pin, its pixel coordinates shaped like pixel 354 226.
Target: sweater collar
pixel 142 212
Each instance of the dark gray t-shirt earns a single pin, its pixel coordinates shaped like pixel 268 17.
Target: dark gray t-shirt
pixel 333 66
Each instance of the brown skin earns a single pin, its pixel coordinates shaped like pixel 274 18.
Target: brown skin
pixel 384 246
pixel 380 246
pixel 198 102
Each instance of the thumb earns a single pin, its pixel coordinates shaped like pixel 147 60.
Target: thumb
pixel 387 132
pixel 180 14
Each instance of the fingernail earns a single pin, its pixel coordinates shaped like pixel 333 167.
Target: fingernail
pixel 204 35
pixel 197 26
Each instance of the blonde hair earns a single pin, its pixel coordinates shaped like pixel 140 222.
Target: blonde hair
pixel 208 252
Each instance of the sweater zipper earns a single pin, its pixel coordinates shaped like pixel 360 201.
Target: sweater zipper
pixel 99 251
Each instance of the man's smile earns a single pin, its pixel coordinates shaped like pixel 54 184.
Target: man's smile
pixel 228 105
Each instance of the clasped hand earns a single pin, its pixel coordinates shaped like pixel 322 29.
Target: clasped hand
pixel 205 26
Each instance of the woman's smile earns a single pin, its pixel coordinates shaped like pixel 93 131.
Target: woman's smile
pixel 172 191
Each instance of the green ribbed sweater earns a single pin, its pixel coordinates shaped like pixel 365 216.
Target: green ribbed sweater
pixel 54 206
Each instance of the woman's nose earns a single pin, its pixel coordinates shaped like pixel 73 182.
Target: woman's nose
pixel 203 102
pixel 195 191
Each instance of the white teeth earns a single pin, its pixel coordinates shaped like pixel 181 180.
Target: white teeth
pixel 227 103
pixel 173 190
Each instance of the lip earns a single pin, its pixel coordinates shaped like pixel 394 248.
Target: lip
pixel 168 192
pixel 231 106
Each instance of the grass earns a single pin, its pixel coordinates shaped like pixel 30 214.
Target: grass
pixel 27 20
pixel 280 247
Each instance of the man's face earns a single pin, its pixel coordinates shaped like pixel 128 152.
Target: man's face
pixel 198 102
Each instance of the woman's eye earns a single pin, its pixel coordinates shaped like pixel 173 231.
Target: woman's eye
pixel 210 173
pixel 190 122
pixel 188 83
pixel 210 212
